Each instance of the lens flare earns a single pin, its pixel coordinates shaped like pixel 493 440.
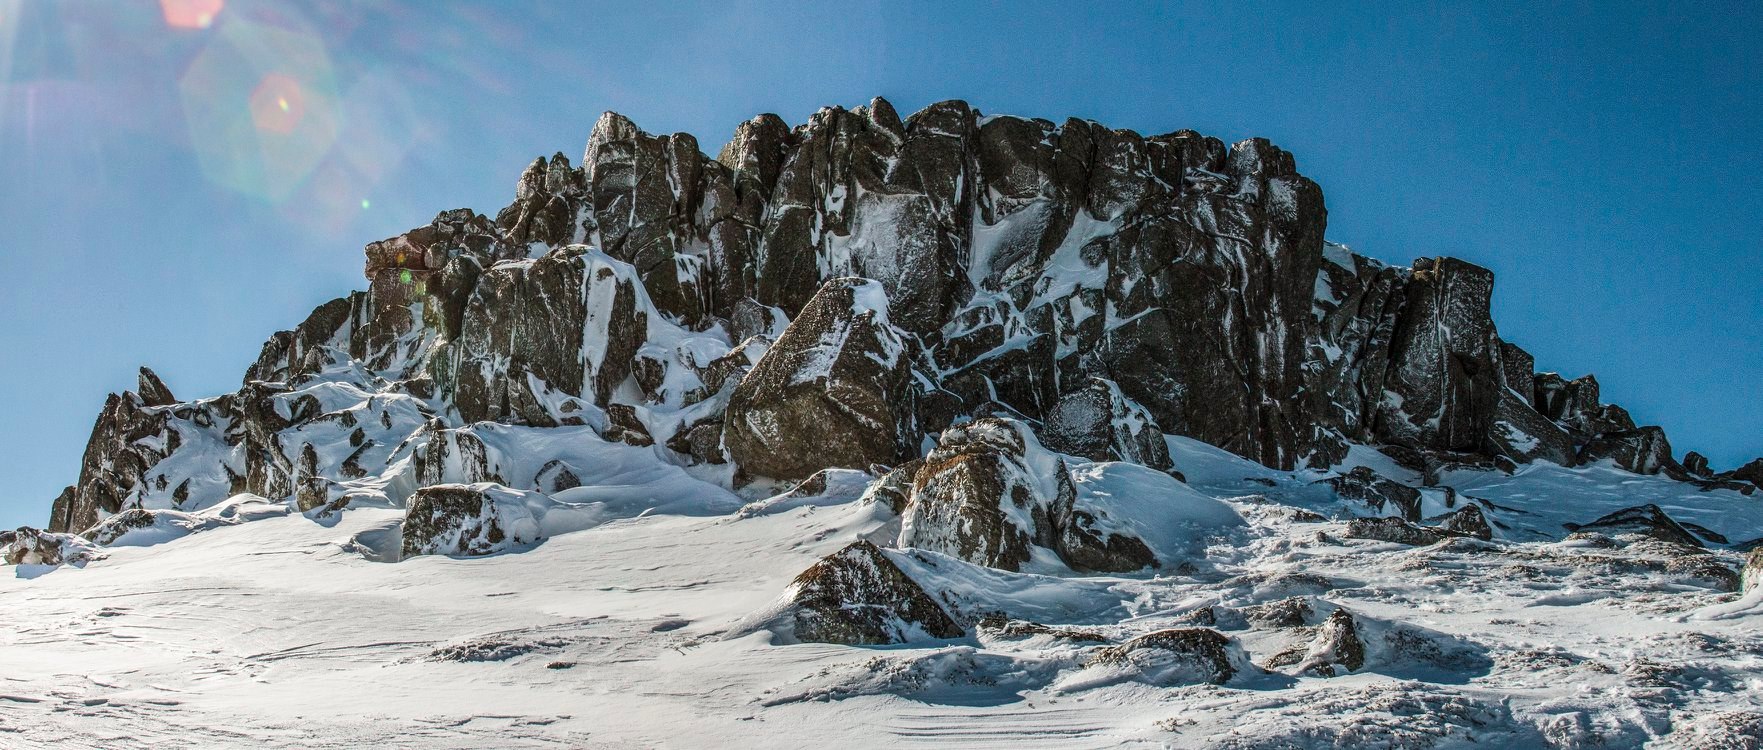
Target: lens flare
pixel 261 106
pixel 190 14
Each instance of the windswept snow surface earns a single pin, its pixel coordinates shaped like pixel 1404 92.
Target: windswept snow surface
pixel 278 631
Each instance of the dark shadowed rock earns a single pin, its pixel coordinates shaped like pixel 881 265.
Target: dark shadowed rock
pixel 1182 656
pixel 1696 465
pixel 1645 520
pixel 153 391
pixel 1445 380
pixel 1468 520
pixel 1751 472
pixel 833 391
pixel 1382 495
pixel 1100 423
pixel 1642 451
pixel 556 476
pixel 857 596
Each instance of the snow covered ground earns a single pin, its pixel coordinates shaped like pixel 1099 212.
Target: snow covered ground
pixel 268 629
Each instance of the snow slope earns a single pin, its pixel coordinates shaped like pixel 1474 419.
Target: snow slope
pixel 279 631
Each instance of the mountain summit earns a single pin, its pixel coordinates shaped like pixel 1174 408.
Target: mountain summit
pixel 1017 389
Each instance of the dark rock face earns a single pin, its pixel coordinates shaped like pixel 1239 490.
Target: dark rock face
pixel 1380 494
pixel 832 392
pixel 1100 423
pixel 1645 520
pixel 857 596
pixel 969 493
pixel 1182 656
pixel 530 321
pixel 1017 266
pixel 1696 465
pixel 1642 451
pixel 1751 472
pixel 463 520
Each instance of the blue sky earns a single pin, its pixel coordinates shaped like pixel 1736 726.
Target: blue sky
pixel 1601 158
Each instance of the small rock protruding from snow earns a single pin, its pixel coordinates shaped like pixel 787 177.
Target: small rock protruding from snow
pixel 990 493
pixel 1644 520
pixel 1468 520
pixel 1337 644
pixel 1383 496
pixel 1752 576
pixel 1392 529
pixel 857 596
pixel 29 546
pixel 467 520
pixel 1180 656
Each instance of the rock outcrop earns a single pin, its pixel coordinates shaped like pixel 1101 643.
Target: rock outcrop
pixel 1183 656
pixel 1645 520
pixel 835 294
pixel 467 521
pixel 857 596
pixel 990 495
pixel 833 391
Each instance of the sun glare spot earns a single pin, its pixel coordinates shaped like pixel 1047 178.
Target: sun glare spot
pixel 365 204
pixel 276 105
pixel 190 14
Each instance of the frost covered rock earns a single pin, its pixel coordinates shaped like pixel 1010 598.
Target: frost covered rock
pixel 1645 520
pixel 28 546
pixel 1392 529
pixel 1383 496
pixel 1336 646
pixel 439 455
pixel 1468 520
pixel 1182 656
pixel 467 520
pixel 833 391
pixel 1100 423
pixel 1642 451
pixel 1752 576
pixel 989 494
pixel 572 320
pixel 857 596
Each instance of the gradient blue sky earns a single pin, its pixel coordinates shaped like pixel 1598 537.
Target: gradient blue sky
pixel 1602 158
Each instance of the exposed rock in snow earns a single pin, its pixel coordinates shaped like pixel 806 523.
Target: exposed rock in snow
pixel 1100 423
pixel 858 596
pixel 467 520
pixel 1642 451
pixel 1382 496
pixel 28 546
pixel 1468 520
pixel 832 391
pixel 1645 520
pixel 1392 529
pixel 1752 576
pixel 1336 646
pixel 1182 656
